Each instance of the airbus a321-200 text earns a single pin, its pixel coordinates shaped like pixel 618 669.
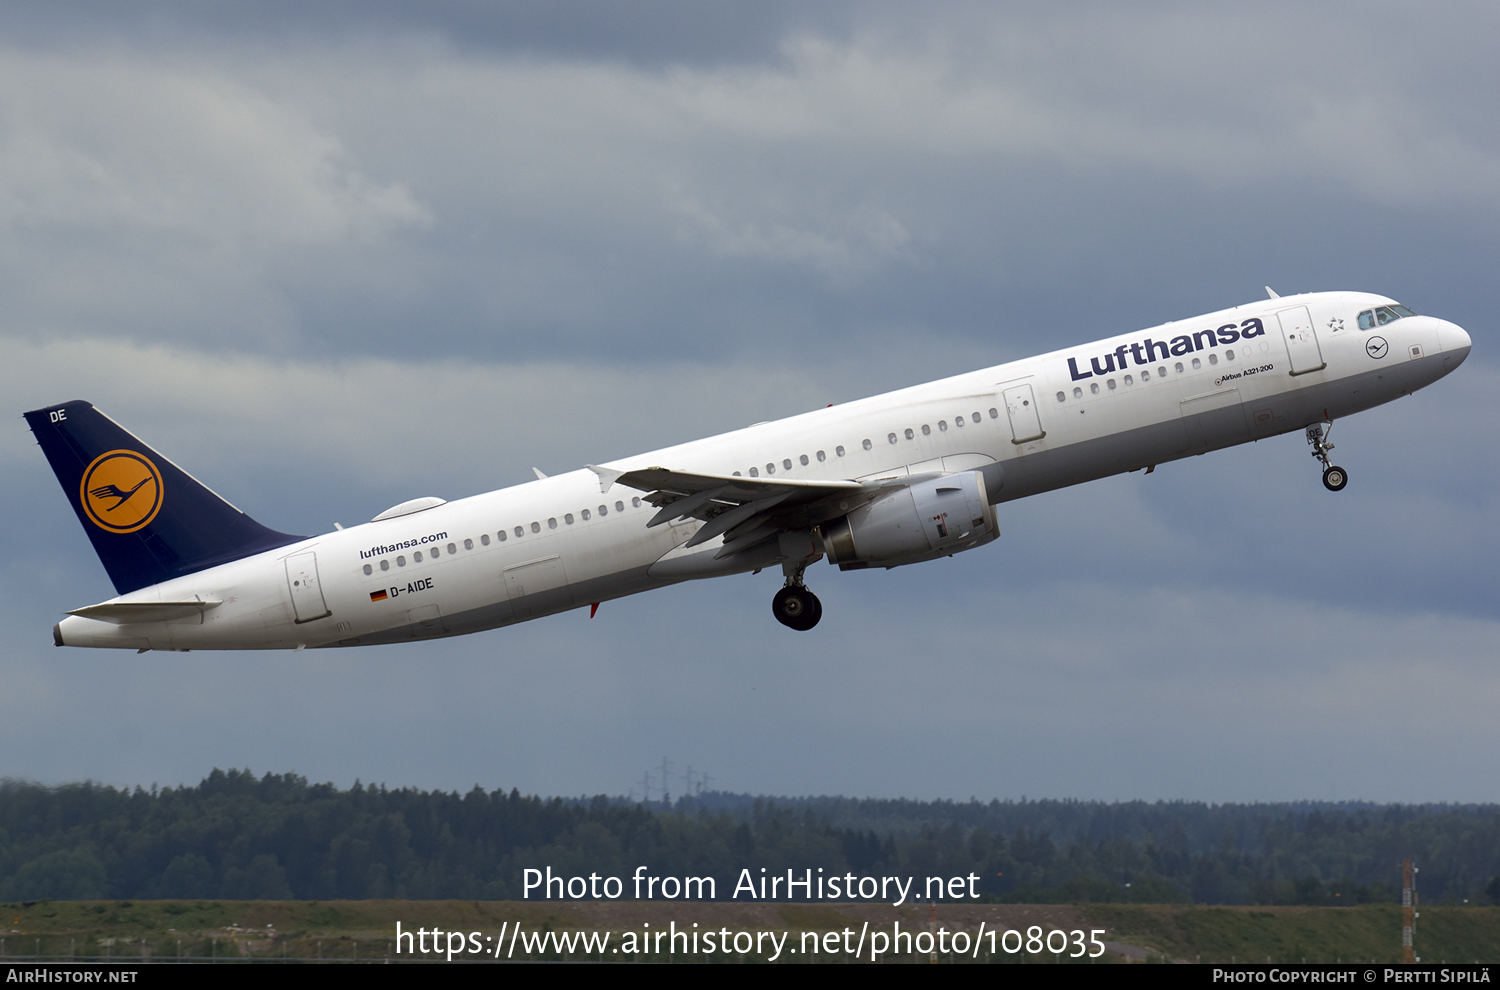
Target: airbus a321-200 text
pixel 901 478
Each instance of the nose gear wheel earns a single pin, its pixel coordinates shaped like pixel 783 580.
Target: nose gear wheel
pixel 1334 477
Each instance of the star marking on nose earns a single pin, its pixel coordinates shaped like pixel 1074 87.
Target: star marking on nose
pixel 1335 324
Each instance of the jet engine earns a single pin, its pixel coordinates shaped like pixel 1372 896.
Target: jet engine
pixel 931 519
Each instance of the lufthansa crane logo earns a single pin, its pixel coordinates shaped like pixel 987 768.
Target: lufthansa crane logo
pixel 121 491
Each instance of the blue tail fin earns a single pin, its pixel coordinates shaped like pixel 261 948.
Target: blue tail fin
pixel 148 519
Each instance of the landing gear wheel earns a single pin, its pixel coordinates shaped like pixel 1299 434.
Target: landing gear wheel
pixel 796 608
pixel 816 613
pixel 1334 478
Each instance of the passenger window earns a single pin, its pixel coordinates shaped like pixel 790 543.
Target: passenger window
pixel 822 457
pixel 975 418
pixel 1111 384
pixel 755 472
pixel 926 430
pixel 416 557
pixel 401 561
pixel 1229 354
pixel 468 544
pixel 839 450
pixel 385 565
pixel 484 538
pixel 942 426
pixel 454 549
pixel 536 527
pixel 1094 387
pixel 604 509
pixel 1161 372
pixel 1129 380
pixel 369 570
pixel 803 460
pixel 994 413
pixel 1213 358
pixel 1197 364
pixel 891 437
pixel 568 518
pixel 435 554
pixel 866 444
pixel 552 522
pixel 958 421
pixel 520 532
pixel 1077 393
pixel 910 435
pixel 636 501
pixel 1145 376
pixel 1062 397
pixel 585 515
pixel 770 469
pixel 1178 367
pixel 786 463
pixel 738 475
pixel 619 506
pixel 501 534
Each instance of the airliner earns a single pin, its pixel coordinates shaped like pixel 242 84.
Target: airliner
pixel 900 478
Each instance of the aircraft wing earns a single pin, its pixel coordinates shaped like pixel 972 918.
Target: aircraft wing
pixel 747 511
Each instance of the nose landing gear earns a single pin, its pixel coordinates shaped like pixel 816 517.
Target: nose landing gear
pixel 794 606
pixel 1334 478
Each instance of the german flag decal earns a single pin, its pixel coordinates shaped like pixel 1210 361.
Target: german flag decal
pixel 378 596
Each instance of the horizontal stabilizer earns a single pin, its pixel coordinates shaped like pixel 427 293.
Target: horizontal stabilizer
pixel 124 613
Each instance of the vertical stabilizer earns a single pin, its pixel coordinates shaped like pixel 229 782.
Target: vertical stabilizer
pixel 148 519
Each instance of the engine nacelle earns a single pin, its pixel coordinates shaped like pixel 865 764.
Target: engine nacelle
pixel 932 519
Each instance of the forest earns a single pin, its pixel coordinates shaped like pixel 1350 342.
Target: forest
pixel 236 835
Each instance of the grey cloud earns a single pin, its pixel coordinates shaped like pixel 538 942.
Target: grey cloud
pixel 916 689
pixel 391 191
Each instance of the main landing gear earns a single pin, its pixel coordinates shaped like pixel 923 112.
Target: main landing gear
pixel 794 606
pixel 1334 478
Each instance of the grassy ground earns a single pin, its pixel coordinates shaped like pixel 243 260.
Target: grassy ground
pixel 365 929
pixel 1370 932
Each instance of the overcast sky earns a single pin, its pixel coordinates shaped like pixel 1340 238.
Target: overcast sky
pixel 331 259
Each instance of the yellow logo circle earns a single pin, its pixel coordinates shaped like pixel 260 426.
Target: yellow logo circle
pixel 121 491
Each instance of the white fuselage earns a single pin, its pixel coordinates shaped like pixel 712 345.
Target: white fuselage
pixel 1030 426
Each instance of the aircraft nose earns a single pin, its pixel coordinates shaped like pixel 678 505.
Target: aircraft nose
pixel 1454 340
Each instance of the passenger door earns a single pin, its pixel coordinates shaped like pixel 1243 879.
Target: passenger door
pixel 307 593
pixel 1025 422
pixel 1301 340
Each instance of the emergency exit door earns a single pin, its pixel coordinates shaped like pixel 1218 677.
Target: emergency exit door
pixel 1025 422
pixel 307 593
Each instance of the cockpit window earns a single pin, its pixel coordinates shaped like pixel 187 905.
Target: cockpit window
pixel 1367 319
pixel 1388 314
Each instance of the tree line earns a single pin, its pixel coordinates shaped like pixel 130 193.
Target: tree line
pixel 275 837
